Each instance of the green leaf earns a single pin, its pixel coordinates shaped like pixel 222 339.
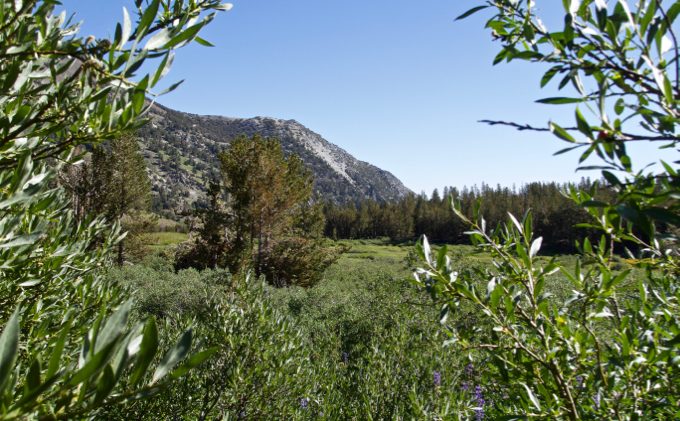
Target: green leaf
pixel 172 87
pixel 147 351
pixel 611 178
pixel 158 40
pixel 535 246
pixel 547 77
pixel 58 350
pixel 619 107
pixel 163 68
pixel 559 100
pixel 532 398
pixel 33 376
pixel 175 355
pixel 203 42
pixel 23 240
pixel 127 28
pixel 105 384
pixel 194 361
pixel 565 150
pixel 114 327
pixel 426 250
pixel 561 133
pixel 441 256
pixel 471 12
pixel 9 348
pixel 185 35
pixel 583 125
pixel 93 365
pixel 594 204
pixel 669 169
pixel 148 17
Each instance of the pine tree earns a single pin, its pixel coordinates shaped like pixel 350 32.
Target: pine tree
pixel 119 172
pixel 113 182
pixel 210 248
pixel 274 226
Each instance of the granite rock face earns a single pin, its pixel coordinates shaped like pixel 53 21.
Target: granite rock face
pixel 181 151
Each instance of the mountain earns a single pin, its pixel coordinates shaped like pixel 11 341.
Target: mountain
pixel 181 152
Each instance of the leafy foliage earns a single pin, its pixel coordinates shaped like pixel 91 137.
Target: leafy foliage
pixel 358 345
pixel 66 346
pixel 610 350
pixel 259 369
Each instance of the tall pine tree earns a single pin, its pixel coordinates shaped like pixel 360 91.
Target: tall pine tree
pixel 274 225
pixel 112 181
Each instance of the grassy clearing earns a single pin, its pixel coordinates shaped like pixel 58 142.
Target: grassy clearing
pixel 367 260
pixel 158 241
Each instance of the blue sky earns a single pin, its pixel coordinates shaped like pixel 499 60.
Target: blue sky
pixel 398 84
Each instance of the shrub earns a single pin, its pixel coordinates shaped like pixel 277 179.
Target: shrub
pixel 65 349
pixel 261 367
pixel 608 350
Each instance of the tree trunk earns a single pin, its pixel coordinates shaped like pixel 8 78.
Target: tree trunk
pixel 120 253
pixel 121 212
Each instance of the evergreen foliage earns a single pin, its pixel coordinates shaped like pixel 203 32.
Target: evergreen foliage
pixel 274 224
pixel 555 215
pixel 113 182
pixel 210 246
pixel 267 221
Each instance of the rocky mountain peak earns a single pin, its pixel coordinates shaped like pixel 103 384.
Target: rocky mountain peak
pixel 181 150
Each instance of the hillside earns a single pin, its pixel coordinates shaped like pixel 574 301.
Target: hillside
pixel 181 152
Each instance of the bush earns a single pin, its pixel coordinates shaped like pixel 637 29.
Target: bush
pixel 67 346
pixel 609 350
pixel 261 367
pixel 161 292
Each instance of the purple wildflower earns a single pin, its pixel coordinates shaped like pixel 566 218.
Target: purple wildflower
pixel 478 392
pixel 479 397
pixel 597 400
pixel 469 370
pixel 304 402
pixel 437 378
pixel 579 382
pixel 465 386
pixel 345 357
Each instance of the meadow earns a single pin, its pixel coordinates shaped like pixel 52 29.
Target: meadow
pixel 92 329
pixel 364 343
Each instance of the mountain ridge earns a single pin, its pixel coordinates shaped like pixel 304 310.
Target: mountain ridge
pixel 181 152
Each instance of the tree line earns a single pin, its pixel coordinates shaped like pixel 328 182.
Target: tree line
pixel 555 214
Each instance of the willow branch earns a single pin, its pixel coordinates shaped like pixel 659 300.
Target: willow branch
pixel 624 136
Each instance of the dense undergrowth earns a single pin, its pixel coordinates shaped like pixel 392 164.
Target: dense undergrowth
pixel 362 344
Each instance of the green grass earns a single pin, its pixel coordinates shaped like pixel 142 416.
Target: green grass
pixel 367 260
pixel 163 240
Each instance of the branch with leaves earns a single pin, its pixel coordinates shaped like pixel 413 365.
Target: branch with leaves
pixel 67 346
